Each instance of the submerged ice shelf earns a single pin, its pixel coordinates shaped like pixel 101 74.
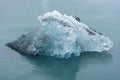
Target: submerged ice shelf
pixel 61 36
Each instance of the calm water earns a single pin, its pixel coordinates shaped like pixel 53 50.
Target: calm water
pixel 20 16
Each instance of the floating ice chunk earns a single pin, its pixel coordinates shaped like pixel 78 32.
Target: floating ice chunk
pixel 61 36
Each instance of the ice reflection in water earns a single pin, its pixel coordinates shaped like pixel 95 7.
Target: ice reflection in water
pixel 66 69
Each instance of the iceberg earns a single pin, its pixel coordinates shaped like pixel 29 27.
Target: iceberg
pixel 61 36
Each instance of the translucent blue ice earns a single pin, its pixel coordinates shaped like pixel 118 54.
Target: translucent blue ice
pixel 61 36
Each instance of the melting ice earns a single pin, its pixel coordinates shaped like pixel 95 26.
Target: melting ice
pixel 61 36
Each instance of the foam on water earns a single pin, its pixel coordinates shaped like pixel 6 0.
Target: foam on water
pixel 61 36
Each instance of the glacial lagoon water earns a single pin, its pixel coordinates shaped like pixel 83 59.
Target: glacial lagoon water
pixel 20 17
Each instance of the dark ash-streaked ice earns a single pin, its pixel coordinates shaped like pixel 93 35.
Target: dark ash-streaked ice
pixel 61 36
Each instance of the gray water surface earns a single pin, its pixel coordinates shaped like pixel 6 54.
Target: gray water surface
pixel 18 17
